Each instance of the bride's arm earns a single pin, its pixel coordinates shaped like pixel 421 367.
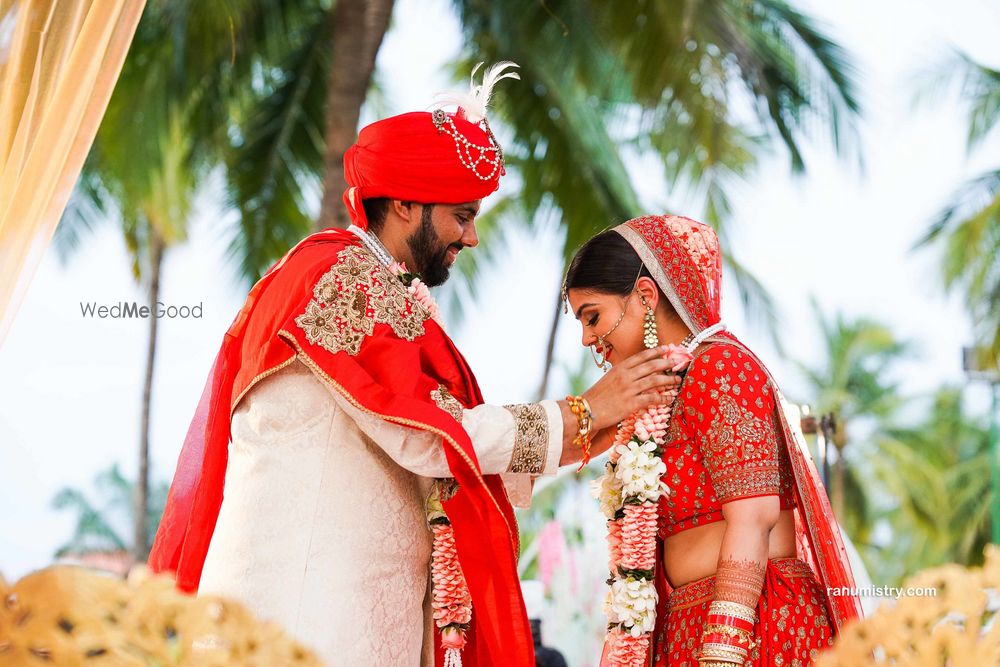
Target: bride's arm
pixel 738 439
pixel 739 579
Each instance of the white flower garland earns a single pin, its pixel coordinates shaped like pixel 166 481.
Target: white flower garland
pixel 629 493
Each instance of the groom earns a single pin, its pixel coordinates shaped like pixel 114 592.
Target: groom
pixel 338 399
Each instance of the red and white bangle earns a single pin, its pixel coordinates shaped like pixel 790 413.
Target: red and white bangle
pixel 727 637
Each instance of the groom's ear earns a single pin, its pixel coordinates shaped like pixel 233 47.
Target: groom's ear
pixel 403 210
pixel 648 290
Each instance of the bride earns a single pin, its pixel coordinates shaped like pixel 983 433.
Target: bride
pixel 745 547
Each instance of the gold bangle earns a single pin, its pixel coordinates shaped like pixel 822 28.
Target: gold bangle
pixel 720 661
pixel 722 652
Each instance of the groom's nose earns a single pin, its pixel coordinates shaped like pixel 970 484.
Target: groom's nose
pixel 470 239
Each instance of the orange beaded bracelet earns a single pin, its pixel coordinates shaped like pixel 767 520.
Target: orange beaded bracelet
pixel 585 418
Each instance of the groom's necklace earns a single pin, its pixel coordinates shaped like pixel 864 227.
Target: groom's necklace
pixel 373 243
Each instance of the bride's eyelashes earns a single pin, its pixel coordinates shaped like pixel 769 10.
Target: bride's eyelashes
pixel 593 320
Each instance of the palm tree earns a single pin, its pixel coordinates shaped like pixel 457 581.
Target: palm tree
pixel 967 230
pixel 358 29
pixel 853 381
pixel 103 525
pixel 933 471
pixel 197 96
pixel 166 128
pixel 652 80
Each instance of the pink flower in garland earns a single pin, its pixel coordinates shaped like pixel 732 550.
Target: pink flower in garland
pixel 638 537
pixel 622 436
pixel 423 296
pixel 451 602
pixel 626 650
pixel 453 638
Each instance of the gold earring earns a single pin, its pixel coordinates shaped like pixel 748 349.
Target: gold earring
pixel 650 338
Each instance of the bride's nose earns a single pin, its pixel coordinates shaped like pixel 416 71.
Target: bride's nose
pixel 588 339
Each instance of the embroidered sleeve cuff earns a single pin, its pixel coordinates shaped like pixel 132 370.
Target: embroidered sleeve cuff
pixel 531 438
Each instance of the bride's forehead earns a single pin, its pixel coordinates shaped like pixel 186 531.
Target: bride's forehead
pixel 581 299
pixel 582 294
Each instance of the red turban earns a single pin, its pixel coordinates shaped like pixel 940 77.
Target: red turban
pixel 426 157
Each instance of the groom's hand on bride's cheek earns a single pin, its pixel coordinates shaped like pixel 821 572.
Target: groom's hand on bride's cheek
pixel 634 384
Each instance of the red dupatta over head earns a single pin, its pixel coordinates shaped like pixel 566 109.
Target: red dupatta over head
pixel 332 305
pixel 685 260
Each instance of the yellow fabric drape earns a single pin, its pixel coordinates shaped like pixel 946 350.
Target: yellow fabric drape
pixel 59 60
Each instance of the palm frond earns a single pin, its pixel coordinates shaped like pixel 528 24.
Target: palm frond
pixel 272 168
pixel 967 234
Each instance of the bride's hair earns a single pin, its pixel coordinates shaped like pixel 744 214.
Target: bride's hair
pixel 606 263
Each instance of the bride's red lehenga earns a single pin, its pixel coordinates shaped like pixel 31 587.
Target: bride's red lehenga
pixel 729 439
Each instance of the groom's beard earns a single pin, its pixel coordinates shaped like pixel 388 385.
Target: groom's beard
pixel 429 254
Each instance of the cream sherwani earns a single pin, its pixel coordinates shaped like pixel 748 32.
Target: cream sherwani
pixel 322 525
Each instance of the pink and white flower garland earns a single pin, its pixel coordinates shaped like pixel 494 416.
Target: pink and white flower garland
pixel 451 600
pixel 629 492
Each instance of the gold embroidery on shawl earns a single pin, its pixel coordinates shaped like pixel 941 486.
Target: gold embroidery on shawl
pixel 352 297
pixel 531 438
pixel 444 400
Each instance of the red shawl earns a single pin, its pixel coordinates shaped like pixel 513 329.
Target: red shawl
pixel 330 304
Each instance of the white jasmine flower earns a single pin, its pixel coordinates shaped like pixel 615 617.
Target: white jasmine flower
pixel 608 490
pixel 633 603
pixel 640 470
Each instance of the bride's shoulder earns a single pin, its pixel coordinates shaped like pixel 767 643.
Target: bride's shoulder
pixel 716 353
pixel 731 359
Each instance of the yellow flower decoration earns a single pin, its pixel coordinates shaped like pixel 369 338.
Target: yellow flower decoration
pixel 956 627
pixel 72 616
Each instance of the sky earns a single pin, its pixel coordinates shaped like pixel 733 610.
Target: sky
pixel 70 386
